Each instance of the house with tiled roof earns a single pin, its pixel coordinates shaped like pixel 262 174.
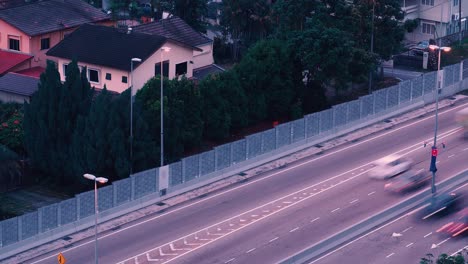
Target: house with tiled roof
pixel 17 88
pixel 107 54
pixel 177 29
pixel 33 28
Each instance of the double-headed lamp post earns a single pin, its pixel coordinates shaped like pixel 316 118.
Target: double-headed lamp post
pixel 131 111
pixel 433 167
pixel 163 49
pixel 96 180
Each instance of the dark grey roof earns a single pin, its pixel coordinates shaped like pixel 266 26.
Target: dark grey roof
pixel 51 15
pixel 18 84
pixel 106 46
pixel 174 28
pixel 203 72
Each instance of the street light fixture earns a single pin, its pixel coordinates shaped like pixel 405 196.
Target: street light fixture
pixel 438 87
pixel 131 111
pixel 163 49
pixel 96 180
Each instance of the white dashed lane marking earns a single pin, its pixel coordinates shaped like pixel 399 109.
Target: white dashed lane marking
pixel 250 250
pixel 335 210
pixel 273 239
pixel 371 193
pixel 428 235
pixel 353 201
pixel 313 220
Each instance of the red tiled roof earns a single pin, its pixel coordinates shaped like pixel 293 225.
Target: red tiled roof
pixel 33 72
pixel 11 59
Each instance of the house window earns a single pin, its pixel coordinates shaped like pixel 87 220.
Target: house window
pixel 157 69
pixel 455 2
pixel 428 28
pixel 65 67
pixel 427 2
pixel 14 43
pixel 93 75
pixel 108 76
pixel 181 68
pixel 45 43
pixel 124 79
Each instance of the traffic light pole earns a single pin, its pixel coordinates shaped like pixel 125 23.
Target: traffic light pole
pixel 433 167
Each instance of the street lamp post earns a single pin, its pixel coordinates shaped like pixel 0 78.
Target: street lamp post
pixel 96 180
pixel 131 111
pixel 438 87
pixel 372 44
pixel 163 49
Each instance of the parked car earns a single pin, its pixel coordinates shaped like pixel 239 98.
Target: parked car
pixel 389 167
pixel 422 46
pixel 441 204
pixel 458 226
pixel 408 181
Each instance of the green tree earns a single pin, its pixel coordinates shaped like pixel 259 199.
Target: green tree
pixel 459 258
pixel 245 21
pixel 272 80
pixel 191 11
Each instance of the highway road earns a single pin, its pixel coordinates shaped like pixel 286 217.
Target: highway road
pixel 279 213
pixel 407 239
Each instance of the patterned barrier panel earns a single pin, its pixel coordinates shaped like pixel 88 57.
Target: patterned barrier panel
pixel 68 211
pixel 283 135
pixel 269 140
pixel 326 120
pixel 123 189
pixel 367 105
pixel 191 167
pixel 417 90
pixel 29 225
pixel 465 69
pixel 456 72
pixel 223 156
pixel 298 130
pixel 10 231
pixel 254 145
pixel 86 201
pixel 380 100
pixel 175 173
pixel 49 217
pixel 340 114
pixel 405 91
pixel 354 111
pixel 429 82
pixel 145 182
pixel 239 151
pixel 448 76
pixel 207 162
pixel 312 124
pixel 392 96
pixel 105 197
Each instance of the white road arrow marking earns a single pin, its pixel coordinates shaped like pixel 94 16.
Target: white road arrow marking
pixel 396 234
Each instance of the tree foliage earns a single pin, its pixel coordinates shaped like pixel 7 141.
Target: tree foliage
pixel 459 258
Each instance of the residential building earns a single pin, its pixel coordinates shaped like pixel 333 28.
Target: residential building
pixel 17 88
pixel 177 29
pixel 107 52
pixel 33 28
pixel 437 18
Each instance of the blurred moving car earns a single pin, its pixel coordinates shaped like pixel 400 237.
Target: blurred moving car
pixel 458 226
pixel 441 203
pixel 389 167
pixel 407 181
pixel 462 118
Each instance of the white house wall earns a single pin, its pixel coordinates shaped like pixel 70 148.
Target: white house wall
pixel 205 57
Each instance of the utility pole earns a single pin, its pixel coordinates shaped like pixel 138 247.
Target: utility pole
pixel 459 23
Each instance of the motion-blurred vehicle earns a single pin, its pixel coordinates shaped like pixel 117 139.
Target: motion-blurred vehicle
pixel 390 166
pixel 458 226
pixel 462 118
pixel 408 181
pixel 441 203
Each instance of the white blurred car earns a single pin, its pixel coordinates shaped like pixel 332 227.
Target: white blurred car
pixel 390 166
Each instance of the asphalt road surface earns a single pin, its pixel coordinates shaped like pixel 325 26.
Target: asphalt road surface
pixel 404 240
pixel 274 215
